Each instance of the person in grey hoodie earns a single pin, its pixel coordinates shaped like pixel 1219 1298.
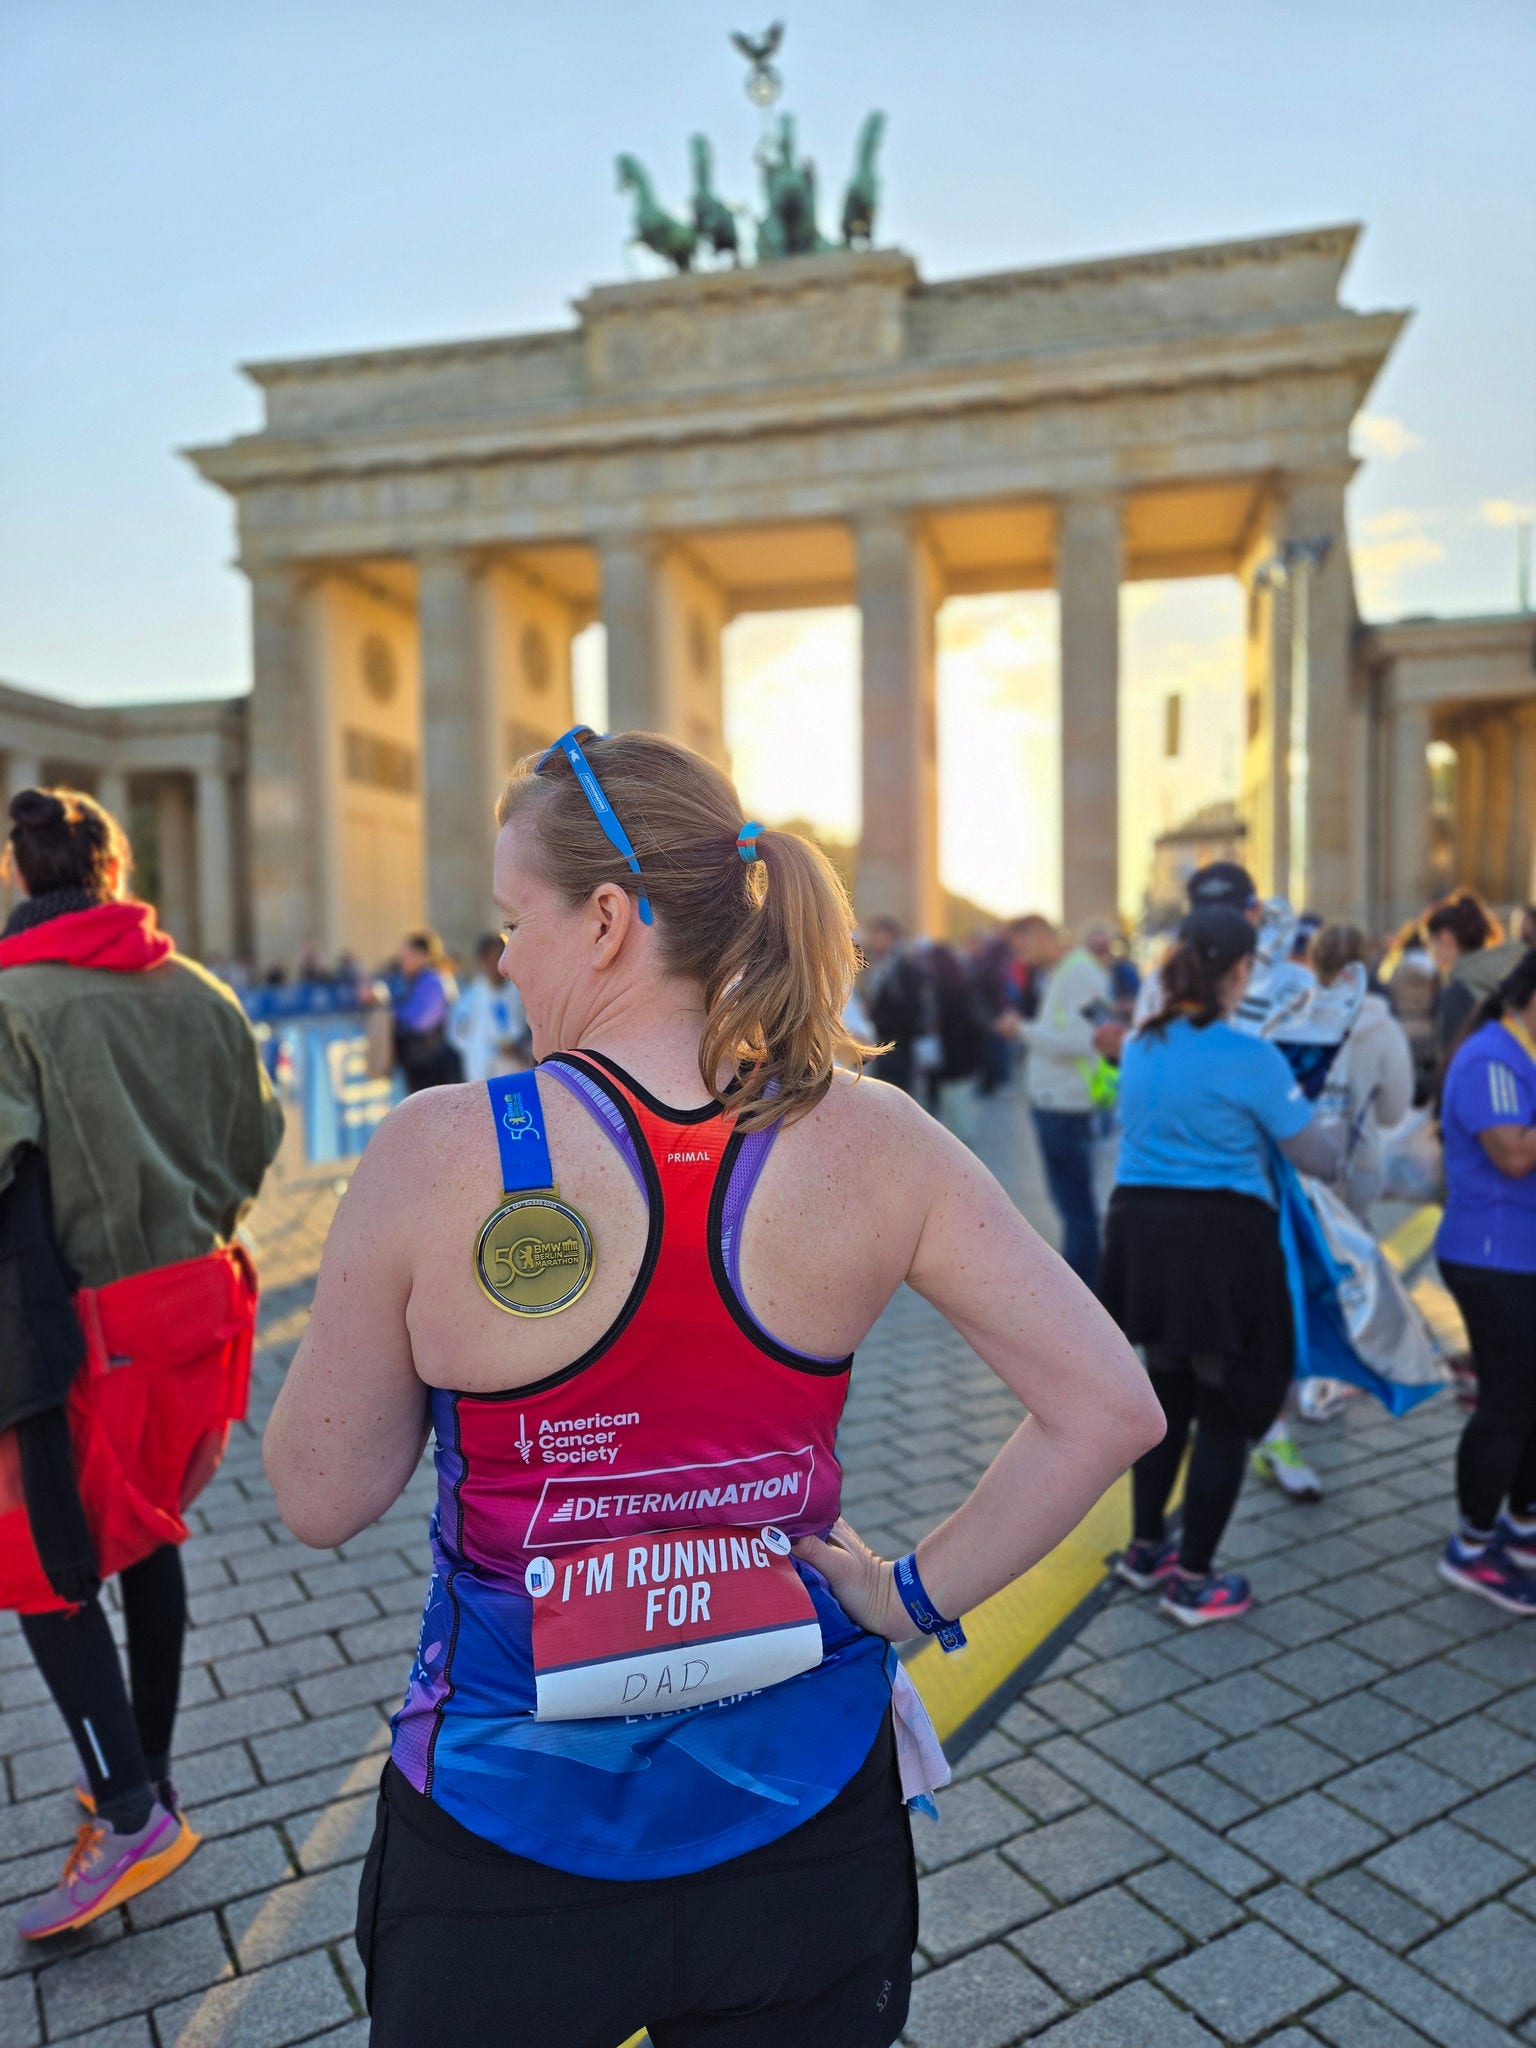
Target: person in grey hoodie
pixel 1065 1039
pixel 1370 1084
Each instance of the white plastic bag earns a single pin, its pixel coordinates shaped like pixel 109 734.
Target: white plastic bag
pixel 1412 1160
pixel 1385 1330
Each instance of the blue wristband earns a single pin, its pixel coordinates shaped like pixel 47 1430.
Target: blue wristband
pixel 914 1597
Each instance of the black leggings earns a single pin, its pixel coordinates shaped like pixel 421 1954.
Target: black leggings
pixel 1191 1394
pixel 125 1748
pixel 1496 1459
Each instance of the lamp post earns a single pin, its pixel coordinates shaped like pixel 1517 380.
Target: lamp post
pixel 1292 570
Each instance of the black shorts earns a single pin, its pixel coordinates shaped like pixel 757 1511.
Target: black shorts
pixel 805 1943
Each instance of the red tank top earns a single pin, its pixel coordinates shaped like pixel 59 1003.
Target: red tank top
pixel 611 1551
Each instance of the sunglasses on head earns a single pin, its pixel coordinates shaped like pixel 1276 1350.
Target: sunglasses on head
pixel 569 745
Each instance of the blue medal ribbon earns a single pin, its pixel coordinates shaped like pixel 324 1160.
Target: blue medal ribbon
pixel 520 1135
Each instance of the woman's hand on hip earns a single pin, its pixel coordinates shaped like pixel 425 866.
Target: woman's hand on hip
pixel 863 1584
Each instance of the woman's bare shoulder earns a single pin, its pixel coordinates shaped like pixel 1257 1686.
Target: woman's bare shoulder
pixel 873 1120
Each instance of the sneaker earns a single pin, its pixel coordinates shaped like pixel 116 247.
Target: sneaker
pixel 1216 1597
pixel 1277 1459
pixel 1517 1545
pixel 165 1791
pixel 106 1868
pixel 1146 1565
pixel 1491 1572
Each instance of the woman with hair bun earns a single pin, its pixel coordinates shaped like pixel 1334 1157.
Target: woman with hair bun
pixel 1193 1270
pixel 136 1124
pixel 649 1770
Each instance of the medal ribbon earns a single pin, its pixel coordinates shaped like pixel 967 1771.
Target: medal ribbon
pixel 520 1134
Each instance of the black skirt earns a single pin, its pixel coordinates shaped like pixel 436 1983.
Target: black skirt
pixel 1199 1273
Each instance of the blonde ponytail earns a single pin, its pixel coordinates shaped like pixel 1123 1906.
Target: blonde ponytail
pixel 769 942
pixel 776 996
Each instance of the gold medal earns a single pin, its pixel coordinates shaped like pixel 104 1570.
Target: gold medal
pixel 534 1254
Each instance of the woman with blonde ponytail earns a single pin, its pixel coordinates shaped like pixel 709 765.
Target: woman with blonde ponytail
pixel 651 1647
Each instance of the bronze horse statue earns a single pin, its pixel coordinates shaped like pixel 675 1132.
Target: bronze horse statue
pixel 713 220
pixel 863 195
pixel 655 228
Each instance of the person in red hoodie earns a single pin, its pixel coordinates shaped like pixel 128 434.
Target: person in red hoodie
pixel 136 1123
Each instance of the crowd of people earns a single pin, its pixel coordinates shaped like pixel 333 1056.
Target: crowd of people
pixel 666 1034
pixel 1178 1061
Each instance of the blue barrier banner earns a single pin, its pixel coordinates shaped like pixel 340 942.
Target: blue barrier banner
pixel 342 1106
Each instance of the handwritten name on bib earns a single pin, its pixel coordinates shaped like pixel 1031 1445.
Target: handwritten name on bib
pixel 648 1627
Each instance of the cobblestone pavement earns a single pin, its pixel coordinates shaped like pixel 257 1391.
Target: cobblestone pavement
pixel 1314 1826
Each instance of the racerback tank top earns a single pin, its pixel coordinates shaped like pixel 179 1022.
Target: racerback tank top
pixel 621 1672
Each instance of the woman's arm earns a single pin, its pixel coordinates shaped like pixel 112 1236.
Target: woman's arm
pixel 349 1424
pixel 1091 1408
pixel 1317 1148
pixel 1512 1148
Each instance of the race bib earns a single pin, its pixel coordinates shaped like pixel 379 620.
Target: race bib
pixel 632 1627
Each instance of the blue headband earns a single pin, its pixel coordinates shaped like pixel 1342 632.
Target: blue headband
pixel 602 810
pixel 746 842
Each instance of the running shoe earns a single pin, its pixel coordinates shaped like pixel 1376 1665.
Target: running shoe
pixel 1195 1600
pixel 105 1869
pixel 1518 1545
pixel 165 1791
pixel 1493 1573
pixel 1146 1565
pixel 1277 1459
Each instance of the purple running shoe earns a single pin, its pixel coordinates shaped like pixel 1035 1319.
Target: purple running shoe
pixel 1145 1565
pixel 1216 1596
pixel 1493 1573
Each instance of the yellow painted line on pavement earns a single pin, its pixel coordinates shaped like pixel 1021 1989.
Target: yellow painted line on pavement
pixel 1411 1240
pixel 1005 1631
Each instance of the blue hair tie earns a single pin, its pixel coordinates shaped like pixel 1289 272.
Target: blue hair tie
pixel 746 842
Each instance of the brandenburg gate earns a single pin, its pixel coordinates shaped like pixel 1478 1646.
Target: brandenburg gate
pixel 425 529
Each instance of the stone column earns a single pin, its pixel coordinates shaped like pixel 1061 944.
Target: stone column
pixel 898 593
pixel 215 857
pixel 1314 509
pixel 22 771
pixel 525 633
pixel 1408 813
pixel 629 621
pixel 173 848
pixel 664 615
pixel 1088 568
pixel 1266 792
pixel 461 751
pixel 1522 823
pixel 112 794
pixel 284 788
pixel 1498 808
pixel 1471 797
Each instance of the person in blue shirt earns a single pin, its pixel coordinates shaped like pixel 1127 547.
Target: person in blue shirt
pixel 422 1046
pixel 1193 1270
pixel 1486 1247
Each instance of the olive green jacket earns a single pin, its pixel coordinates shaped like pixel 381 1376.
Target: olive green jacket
pixel 147 1097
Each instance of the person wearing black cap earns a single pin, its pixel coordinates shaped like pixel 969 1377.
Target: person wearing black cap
pixel 1221 883
pixel 1193 1270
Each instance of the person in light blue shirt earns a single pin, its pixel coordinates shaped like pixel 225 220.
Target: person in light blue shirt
pixel 1199 1105
pixel 1486 1247
pixel 1193 1270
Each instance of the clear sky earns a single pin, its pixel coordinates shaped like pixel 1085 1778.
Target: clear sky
pixel 185 184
